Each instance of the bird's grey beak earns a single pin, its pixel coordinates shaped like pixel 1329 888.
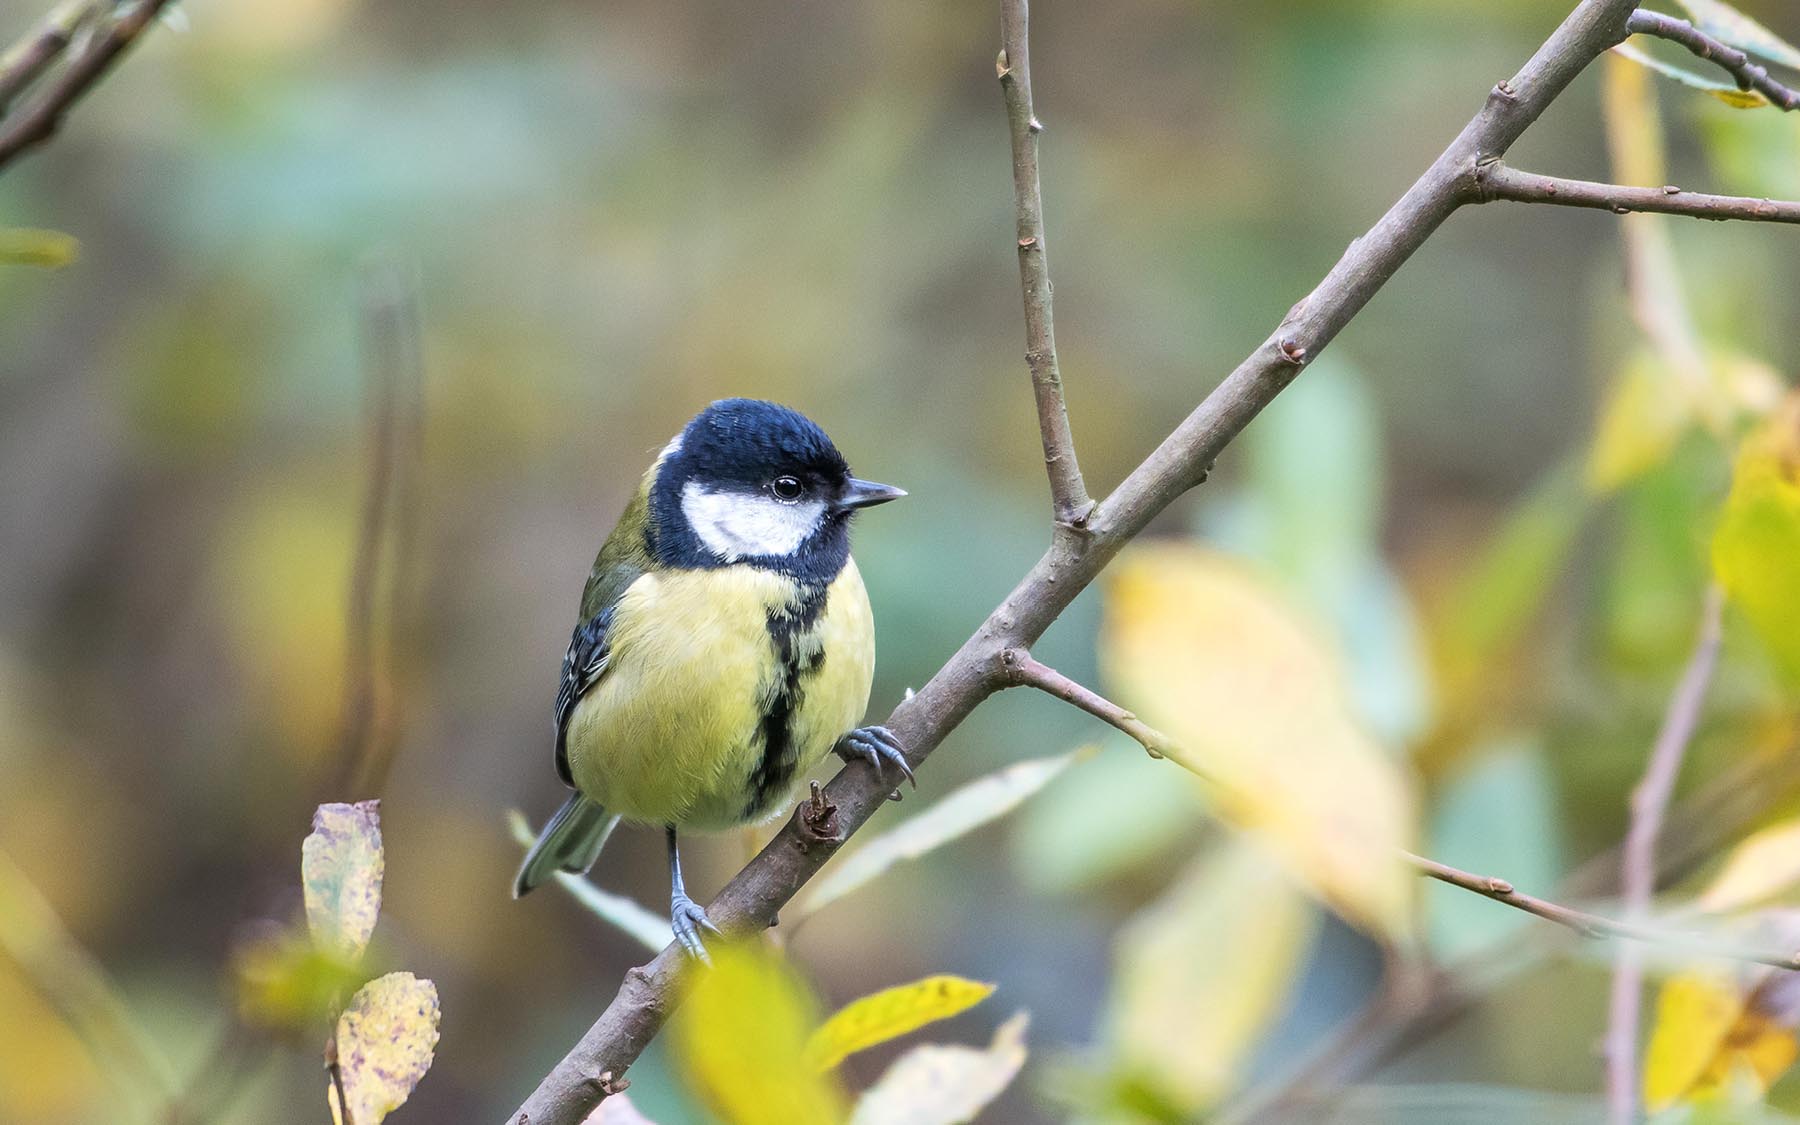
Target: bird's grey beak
pixel 867 494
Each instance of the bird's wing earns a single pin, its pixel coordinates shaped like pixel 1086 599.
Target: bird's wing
pixel 583 665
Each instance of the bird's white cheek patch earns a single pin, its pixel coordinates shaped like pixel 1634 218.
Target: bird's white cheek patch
pixel 736 525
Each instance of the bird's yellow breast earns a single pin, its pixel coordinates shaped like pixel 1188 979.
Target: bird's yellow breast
pixel 724 686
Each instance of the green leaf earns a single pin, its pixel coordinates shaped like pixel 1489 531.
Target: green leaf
pixel 52 249
pixel 741 1035
pixel 945 1084
pixel 650 929
pixel 1198 977
pixel 1116 813
pixel 980 802
pixel 341 864
pixel 385 1041
pixel 1498 815
pixel 1756 550
pixel 891 1013
pixel 1726 92
pixel 1726 23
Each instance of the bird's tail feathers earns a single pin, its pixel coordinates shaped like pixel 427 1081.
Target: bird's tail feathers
pixel 570 842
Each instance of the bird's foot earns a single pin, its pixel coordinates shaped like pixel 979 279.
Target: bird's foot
pixel 878 747
pixel 687 919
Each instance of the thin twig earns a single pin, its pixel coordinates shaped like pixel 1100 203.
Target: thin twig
pixel 38 120
pixel 1024 670
pixel 753 897
pixel 1497 181
pixel 1748 74
pixel 1649 803
pixel 25 60
pixel 1069 499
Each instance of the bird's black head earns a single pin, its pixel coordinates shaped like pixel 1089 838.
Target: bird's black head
pixel 752 482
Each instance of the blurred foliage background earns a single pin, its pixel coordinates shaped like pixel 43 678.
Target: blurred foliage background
pixel 617 212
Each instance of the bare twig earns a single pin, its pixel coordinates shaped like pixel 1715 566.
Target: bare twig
pixel 1024 670
pixel 1748 74
pixel 1649 802
pixel 1497 181
pixel 1069 499
pixel 38 119
pixel 750 901
pixel 25 60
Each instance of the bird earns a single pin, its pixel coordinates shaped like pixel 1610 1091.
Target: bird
pixel 724 646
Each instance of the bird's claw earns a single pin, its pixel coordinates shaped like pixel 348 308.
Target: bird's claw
pixel 879 747
pixel 687 919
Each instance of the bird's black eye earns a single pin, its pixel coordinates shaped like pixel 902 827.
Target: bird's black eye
pixel 786 488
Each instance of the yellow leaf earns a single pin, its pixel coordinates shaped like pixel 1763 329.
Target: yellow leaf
pixel 21 246
pixel 1645 413
pixel 1694 1013
pixel 1197 977
pixel 1756 550
pixel 944 1084
pixel 1256 705
pixel 385 1040
pixel 980 802
pixel 341 864
pixel 741 1038
pixel 1762 866
pixel 1713 1042
pixel 891 1013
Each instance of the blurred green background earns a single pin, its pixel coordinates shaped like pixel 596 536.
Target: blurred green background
pixel 617 212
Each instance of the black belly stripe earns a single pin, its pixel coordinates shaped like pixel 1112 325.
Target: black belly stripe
pixel 790 627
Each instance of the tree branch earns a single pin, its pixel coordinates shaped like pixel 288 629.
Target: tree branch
pixel 976 670
pixel 25 60
pixel 38 120
pixel 1748 74
pixel 1649 803
pixel 1498 181
pixel 1069 501
pixel 1024 670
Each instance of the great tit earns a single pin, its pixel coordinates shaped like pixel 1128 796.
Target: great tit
pixel 725 644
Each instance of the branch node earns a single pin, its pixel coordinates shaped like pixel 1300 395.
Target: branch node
pixel 819 821
pixel 1002 67
pixel 1293 351
pixel 1028 243
pixel 1499 886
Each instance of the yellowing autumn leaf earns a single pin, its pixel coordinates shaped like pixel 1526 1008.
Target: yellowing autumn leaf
pixel 944 1084
pixel 741 1039
pixel 1199 975
pixel 1255 704
pixel 1713 1043
pixel 1645 413
pixel 385 1040
pixel 341 864
pixel 1759 868
pixel 1756 550
pixel 891 1013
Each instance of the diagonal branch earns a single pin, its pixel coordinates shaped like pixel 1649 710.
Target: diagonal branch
pixel 1069 501
pixel 1748 74
pixel 1498 181
pixel 1649 803
pixel 1024 670
pixel 37 121
pixel 25 60
pixel 589 1071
